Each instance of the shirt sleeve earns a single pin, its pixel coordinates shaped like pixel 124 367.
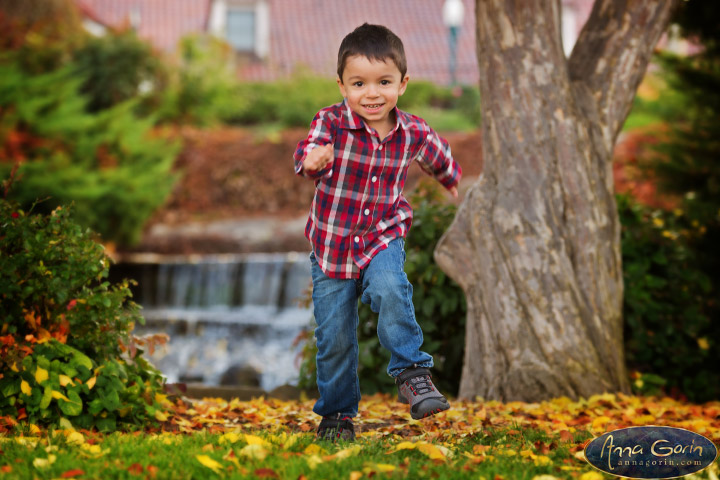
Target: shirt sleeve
pixel 436 159
pixel 321 133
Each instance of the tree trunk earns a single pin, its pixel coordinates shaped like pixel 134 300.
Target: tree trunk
pixel 536 243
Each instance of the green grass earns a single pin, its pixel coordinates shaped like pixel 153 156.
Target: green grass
pixel 510 453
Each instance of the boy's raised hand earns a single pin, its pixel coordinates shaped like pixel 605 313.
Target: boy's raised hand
pixel 319 157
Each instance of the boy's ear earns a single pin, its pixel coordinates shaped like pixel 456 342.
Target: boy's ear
pixel 341 86
pixel 403 85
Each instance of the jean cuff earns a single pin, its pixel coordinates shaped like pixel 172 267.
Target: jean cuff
pixel 397 371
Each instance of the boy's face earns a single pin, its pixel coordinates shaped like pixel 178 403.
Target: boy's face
pixel 372 89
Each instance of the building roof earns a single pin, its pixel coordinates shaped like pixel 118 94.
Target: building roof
pixel 162 22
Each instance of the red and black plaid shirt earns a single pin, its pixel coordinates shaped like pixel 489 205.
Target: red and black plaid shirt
pixel 359 205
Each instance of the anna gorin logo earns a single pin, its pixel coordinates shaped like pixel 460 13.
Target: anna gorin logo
pixel 650 452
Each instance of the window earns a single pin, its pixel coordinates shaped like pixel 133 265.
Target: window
pixel 241 29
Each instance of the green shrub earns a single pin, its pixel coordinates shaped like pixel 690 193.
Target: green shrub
pixel 109 164
pixel 202 89
pixel 117 67
pixel 670 339
pixel 65 328
pixel 439 302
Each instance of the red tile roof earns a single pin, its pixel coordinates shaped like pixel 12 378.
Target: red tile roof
pixel 162 22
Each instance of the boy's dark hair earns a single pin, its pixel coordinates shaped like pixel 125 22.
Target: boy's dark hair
pixel 374 42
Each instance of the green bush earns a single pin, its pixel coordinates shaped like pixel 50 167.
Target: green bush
pixel 439 302
pixel 65 328
pixel 670 339
pixel 117 67
pixel 109 164
pixel 202 90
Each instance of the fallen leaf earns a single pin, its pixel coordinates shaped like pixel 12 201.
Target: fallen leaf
pixel 255 451
pixel 41 463
pixel 265 472
pixel 136 469
pixel 209 463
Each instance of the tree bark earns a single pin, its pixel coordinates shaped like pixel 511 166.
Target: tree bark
pixel 536 242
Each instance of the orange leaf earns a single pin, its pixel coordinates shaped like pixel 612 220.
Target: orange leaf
pixel 265 472
pixel 136 469
pixel 72 473
pixel 6 469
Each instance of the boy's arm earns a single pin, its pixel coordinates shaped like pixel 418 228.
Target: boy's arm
pixel 436 159
pixel 314 156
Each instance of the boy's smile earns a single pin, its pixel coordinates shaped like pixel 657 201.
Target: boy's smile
pixel 372 89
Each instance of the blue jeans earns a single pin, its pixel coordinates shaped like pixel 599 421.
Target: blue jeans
pixel 385 287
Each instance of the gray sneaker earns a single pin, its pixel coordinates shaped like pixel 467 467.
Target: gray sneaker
pixel 416 388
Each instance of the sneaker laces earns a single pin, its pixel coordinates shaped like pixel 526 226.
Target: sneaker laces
pixel 421 384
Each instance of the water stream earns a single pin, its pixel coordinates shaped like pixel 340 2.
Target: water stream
pixel 223 311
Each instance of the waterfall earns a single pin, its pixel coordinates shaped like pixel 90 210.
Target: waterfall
pixel 222 311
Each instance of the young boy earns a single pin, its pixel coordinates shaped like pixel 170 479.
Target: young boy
pixel 358 153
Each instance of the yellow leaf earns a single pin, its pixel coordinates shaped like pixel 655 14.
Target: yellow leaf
pixel 313 461
pixel 592 475
pixel 600 421
pixel 41 375
pixel 25 388
pixel 91 383
pixel 229 437
pixel 345 453
pixel 703 343
pixel 542 460
pixel 314 449
pixel 75 438
pixel 209 463
pixel 255 451
pixel 403 446
pixel 545 477
pixel 379 467
pixel 14 367
pixel 355 475
pixel 40 463
pixel 160 416
pixel 57 395
pixel 431 451
pixel 93 450
pixel 65 380
pixel 255 440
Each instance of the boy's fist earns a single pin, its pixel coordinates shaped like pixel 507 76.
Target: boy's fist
pixel 319 157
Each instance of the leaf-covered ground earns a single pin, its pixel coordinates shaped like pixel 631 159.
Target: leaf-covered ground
pixel 272 438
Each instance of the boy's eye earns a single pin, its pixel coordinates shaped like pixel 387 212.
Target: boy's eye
pixel 384 82
pixel 358 84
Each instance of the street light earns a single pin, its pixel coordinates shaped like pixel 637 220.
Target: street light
pixel 453 14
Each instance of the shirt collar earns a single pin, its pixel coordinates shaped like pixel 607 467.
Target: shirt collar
pixel 353 121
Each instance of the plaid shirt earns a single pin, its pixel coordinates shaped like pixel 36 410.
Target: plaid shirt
pixel 359 206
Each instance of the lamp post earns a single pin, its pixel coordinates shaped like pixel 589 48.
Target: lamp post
pixel 453 13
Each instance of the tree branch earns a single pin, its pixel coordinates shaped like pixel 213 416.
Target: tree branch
pixel 612 54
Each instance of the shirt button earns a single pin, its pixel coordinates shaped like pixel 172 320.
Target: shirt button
pixel 380 147
pixel 357 239
pixel 429 137
pixel 367 211
pixel 373 179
